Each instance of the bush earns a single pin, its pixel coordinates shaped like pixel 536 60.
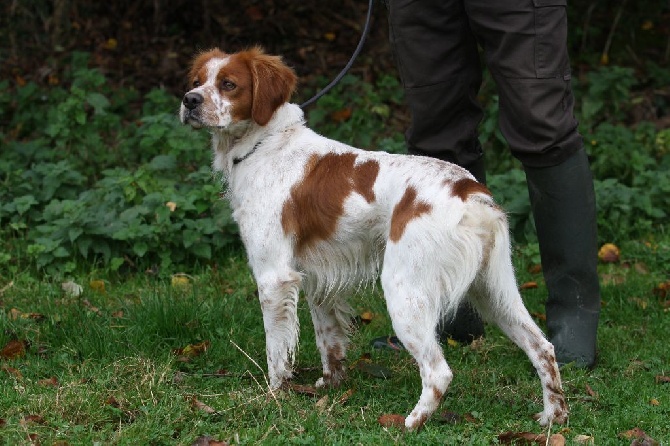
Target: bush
pixel 104 182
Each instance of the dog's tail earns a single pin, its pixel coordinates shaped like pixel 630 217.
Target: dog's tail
pixel 496 281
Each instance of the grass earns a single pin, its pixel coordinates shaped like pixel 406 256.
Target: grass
pixel 106 368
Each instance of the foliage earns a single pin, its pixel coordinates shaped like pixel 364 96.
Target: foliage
pixel 102 175
pixel 86 177
pixel 358 113
pixel 148 360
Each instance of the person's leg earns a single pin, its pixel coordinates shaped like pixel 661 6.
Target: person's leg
pixel 439 67
pixel 525 48
pixel 437 58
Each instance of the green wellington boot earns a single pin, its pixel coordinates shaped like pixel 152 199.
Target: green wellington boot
pixel 563 204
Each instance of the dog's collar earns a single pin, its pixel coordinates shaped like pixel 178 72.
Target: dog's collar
pixel 238 160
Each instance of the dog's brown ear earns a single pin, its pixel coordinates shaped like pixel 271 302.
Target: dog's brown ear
pixel 273 84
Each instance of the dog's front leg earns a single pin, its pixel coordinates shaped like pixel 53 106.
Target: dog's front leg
pixel 278 294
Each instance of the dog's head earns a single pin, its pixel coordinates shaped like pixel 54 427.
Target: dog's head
pixel 230 88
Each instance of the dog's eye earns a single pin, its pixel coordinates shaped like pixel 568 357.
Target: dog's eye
pixel 196 83
pixel 227 86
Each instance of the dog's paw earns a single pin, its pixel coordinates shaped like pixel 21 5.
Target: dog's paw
pixel 415 420
pixel 328 381
pixel 557 416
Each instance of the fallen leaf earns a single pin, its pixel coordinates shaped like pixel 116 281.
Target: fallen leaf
pixel 654 402
pixel 3 423
pixel 584 439
pixel 452 342
pixel 535 269
pixel 521 438
pixel 90 306
pixel 12 371
pixel 539 316
pixel 72 288
pixel 322 403
pixel 662 290
pixel 531 438
pixel 192 350
pixel 660 379
pixel 171 205
pixel 641 303
pixel 367 316
pixel 37 419
pixel 639 437
pixel 201 406
pixel 117 314
pixel 391 420
pixel 609 253
pixel 341 115
pixel 636 432
pixel 206 440
pixel 345 397
pixel 111 401
pixel 15 314
pixel 556 440
pixel 330 36
pixel 612 279
pixel 641 268
pixel 111 44
pixel 98 286
pixel 14 349
pixel 48 382
pixel 180 280
pixel 528 286
pixel 591 392
pixel 301 389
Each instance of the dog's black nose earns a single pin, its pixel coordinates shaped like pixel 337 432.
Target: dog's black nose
pixel 192 100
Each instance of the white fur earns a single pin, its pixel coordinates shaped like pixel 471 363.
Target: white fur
pixel 459 250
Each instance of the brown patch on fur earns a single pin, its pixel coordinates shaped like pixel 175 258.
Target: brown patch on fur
pixel 273 83
pixel 335 366
pixel 548 361
pixel 317 202
pixel 407 209
pixel 437 393
pixel 419 422
pixel 198 72
pixel 465 187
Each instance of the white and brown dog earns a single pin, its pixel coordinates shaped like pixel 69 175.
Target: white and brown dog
pixel 318 215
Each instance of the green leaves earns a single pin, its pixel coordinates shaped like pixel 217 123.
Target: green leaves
pixel 88 188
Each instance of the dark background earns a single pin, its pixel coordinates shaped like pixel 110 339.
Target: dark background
pixel 148 44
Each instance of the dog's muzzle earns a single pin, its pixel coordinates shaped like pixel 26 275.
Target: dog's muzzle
pixel 190 111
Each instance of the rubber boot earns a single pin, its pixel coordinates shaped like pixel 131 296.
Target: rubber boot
pixel 563 204
pixel 466 325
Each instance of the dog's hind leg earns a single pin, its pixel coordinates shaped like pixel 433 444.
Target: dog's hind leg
pixel 414 316
pixel 331 326
pixel 499 301
pixel 522 330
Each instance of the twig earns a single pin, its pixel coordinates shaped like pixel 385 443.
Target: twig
pixel 265 378
pixel 6 287
pixel 610 36
pixel 587 24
